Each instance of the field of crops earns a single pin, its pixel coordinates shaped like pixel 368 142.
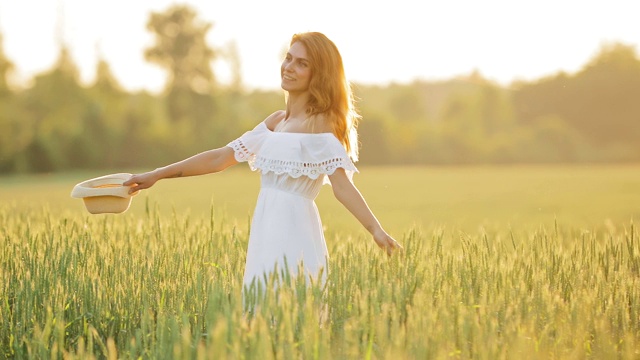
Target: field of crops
pixel 528 262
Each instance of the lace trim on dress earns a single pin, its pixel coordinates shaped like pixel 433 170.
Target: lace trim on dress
pixel 240 151
pixel 294 169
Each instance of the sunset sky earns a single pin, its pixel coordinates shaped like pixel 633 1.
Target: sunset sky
pixel 381 41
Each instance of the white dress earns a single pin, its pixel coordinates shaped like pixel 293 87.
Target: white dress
pixel 286 223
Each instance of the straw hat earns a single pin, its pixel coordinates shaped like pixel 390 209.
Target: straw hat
pixel 104 194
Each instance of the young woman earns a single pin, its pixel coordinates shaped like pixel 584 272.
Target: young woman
pixel 296 150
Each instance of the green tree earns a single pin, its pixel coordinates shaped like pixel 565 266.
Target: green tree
pixel 376 125
pixel 181 49
pixel 605 101
pixel 6 66
pixel 106 82
pixel 55 106
pixel 103 120
pixel 15 132
pixel 146 140
pixel 406 102
pixel 600 101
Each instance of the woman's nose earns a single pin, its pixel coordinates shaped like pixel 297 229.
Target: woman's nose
pixel 288 66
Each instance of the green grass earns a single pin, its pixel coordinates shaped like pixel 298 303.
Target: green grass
pixel 499 263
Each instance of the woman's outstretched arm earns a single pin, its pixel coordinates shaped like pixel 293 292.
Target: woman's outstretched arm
pixel 204 163
pixel 347 193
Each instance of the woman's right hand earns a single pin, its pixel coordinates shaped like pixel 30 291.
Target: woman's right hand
pixel 141 181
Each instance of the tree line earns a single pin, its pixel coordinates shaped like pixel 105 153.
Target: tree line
pixel 59 124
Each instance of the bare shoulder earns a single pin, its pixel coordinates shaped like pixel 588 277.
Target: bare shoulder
pixel 322 124
pixel 274 119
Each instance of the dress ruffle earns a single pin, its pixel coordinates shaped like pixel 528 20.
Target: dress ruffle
pixel 294 154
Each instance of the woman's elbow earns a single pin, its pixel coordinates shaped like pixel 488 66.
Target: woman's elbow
pixel 341 185
pixel 340 193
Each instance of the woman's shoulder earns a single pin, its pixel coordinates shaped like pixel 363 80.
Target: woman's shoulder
pixel 322 123
pixel 274 119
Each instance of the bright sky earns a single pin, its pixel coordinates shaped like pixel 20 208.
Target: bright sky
pixel 380 41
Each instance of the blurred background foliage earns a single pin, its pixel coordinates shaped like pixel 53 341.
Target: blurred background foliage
pixel 57 123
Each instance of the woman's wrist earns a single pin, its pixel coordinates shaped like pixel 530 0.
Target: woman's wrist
pixel 167 172
pixel 376 230
pixel 160 173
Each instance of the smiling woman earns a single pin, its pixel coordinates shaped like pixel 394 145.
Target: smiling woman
pixel 297 150
pixel 295 71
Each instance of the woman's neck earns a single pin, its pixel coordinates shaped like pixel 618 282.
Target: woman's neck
pixel 297 104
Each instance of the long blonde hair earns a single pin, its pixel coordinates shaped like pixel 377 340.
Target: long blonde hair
pixel 330 92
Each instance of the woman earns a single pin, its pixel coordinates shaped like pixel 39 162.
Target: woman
pixel 295 150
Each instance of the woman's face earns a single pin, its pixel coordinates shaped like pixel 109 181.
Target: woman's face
pixel 295 71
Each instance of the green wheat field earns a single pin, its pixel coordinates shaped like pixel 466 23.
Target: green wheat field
pixel 513 262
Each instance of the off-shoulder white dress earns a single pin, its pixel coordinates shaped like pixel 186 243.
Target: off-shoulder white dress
pixel 286 223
